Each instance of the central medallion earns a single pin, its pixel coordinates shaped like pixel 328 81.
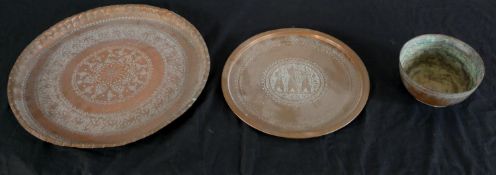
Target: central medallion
pixel 294 81
pixel 112 74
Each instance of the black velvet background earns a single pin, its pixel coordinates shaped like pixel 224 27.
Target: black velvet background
pixel 394 134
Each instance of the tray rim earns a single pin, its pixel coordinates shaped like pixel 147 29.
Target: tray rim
pixel 60 28
pixel 349 53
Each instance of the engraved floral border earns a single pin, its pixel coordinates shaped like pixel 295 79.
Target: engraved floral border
pixel 24 63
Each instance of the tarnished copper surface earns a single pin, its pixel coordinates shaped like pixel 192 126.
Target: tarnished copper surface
pixel 439 70
pixel 295 83
pixel 108 76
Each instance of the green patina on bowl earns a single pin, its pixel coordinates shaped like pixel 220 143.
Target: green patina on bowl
pixel 440 70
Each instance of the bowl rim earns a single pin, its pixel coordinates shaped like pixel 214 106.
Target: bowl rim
pixel 474 55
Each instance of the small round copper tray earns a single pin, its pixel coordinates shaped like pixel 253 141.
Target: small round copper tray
pixel 295 83
pixel 108 76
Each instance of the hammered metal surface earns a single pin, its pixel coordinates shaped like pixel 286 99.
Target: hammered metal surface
pixel 295 83
pixel 108 76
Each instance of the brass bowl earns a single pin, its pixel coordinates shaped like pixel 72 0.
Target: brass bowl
pixel 440 70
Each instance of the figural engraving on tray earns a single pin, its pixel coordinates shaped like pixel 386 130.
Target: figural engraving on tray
pixel 309 88
pixel 112 74
pixel 293 81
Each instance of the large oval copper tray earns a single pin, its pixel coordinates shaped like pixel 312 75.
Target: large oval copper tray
pixel 108 76
pixel 295 83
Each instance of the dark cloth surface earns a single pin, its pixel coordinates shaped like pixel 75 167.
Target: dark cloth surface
pixel 394 134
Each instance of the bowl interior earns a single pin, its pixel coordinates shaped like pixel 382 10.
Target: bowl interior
pixel 441 64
